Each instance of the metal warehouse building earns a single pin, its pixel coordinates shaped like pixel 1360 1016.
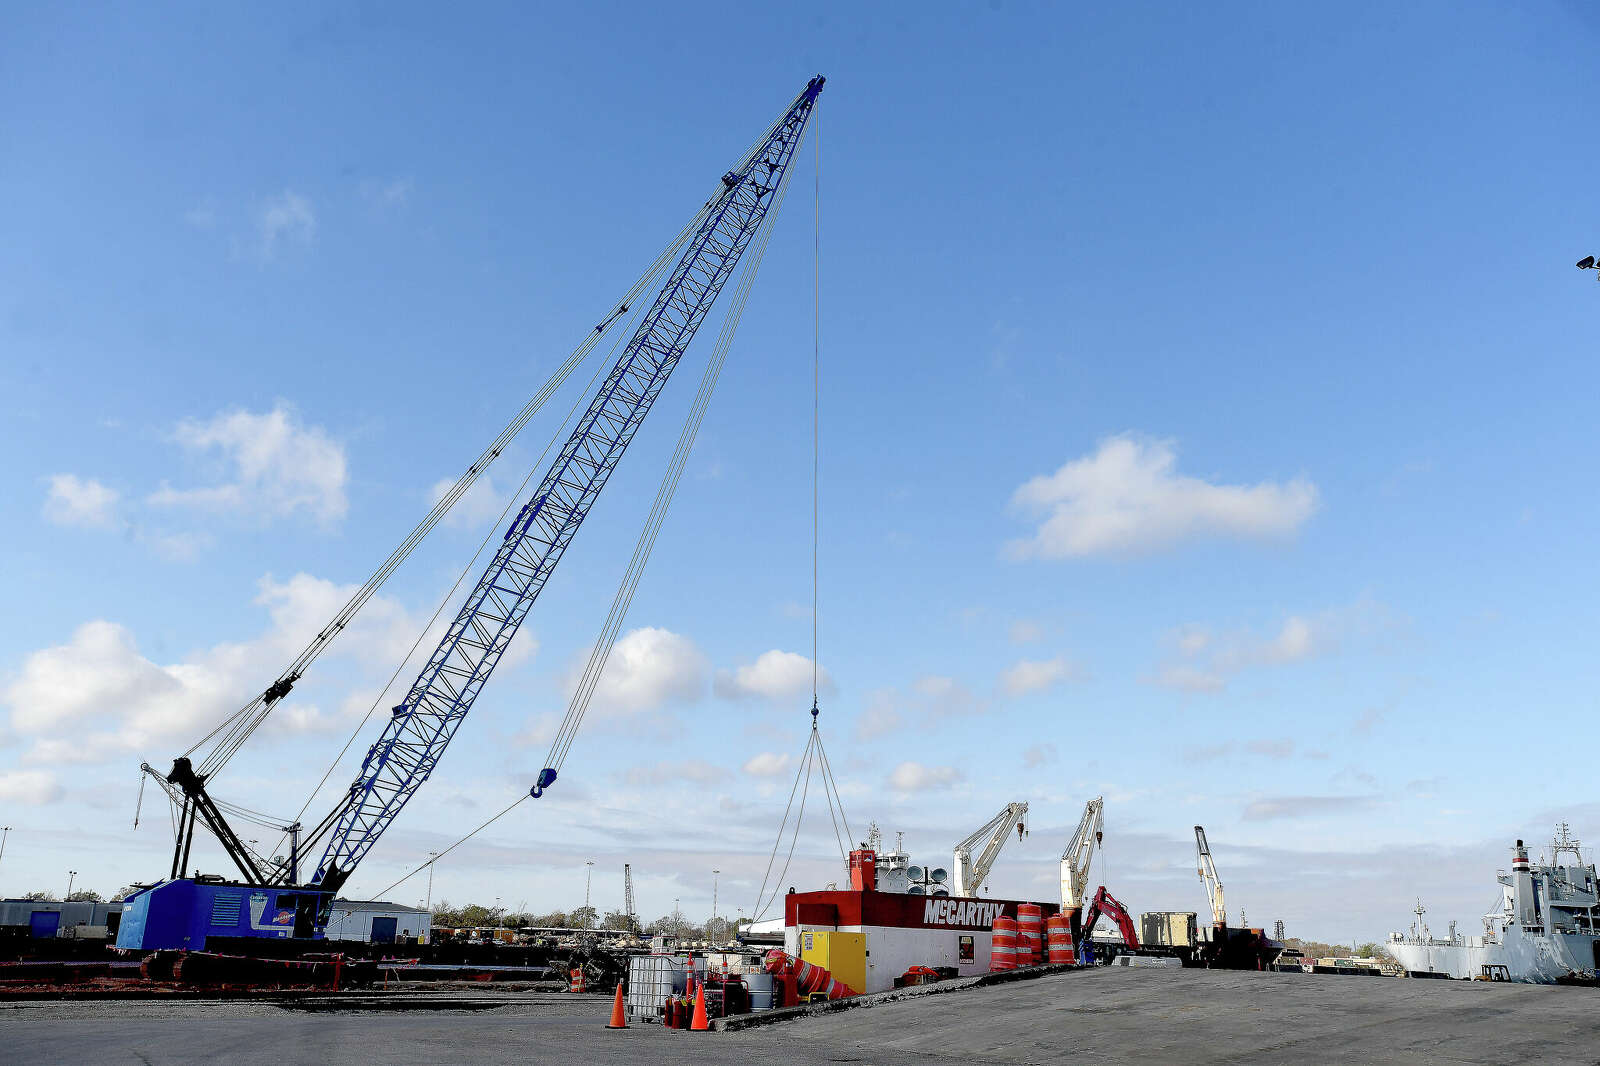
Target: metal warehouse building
pixel 43 918
pixel 378 922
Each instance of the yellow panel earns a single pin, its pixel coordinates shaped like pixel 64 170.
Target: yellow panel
pixel 844 955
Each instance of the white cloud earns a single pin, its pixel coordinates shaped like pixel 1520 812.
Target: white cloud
pixel 915 777
pixel 768 764
pixel 387 194
pixel 285 219
pixel 75 501
pixel 278 466
pixel 1039 755
pixel 775 676
pixel 481 504
pixel 1128 499
pixel 945 697
pixel 1270 808
pixel 881 718
pixel 674 772
pixel 648 667
pixel 1035 675
pixel 1188 679
pixel 98 695
pixel 1025 631
pixel 32 787
pixel 202 215
pixel 1204 660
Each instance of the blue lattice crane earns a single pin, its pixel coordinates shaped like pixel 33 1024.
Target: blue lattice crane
pixel 186 912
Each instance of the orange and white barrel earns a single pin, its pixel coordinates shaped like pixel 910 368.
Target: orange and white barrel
pixel 1030 933
pixel 1058 940
pixel 1003 944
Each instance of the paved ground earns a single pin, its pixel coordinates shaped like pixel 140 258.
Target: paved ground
pixel 1102 1016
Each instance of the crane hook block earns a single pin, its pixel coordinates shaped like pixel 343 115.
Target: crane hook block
pixel 280 688
pixel 547 777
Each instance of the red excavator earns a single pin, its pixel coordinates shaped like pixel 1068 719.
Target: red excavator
pixel 1105 903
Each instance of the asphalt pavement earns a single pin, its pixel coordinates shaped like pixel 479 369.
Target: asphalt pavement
pixel 1100 1016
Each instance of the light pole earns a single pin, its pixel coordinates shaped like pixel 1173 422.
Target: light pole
pixel 5 831
pixel 716 927
pixel 677 919
pixel 433 857
pixel 588 880
pixel 71 876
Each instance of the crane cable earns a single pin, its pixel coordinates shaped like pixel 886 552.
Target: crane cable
pixel 815 756
pixel 234 730
pixel 579 703
pixel 512 501
pixel 600 653
pixel 237 728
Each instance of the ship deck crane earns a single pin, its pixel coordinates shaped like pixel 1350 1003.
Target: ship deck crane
pixel 1208 876
pixel 1076 860
pixel 968 874
pixel 182 912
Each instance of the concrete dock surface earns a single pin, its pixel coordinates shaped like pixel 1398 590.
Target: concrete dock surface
pixel 1098 1016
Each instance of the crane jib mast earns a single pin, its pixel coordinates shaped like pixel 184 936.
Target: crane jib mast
pixel 421 726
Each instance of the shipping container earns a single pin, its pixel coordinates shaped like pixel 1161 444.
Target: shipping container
pixel 1169 929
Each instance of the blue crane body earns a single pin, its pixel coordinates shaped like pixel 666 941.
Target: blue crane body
pixel 183 912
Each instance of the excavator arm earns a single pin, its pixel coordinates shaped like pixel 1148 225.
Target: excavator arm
pixel 1105 903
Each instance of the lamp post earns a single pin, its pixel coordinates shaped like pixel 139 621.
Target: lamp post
pixel 71 876
pixel 716 927
pixel 588 880
pixel 5 831
pixel 433 857
pixel 677 919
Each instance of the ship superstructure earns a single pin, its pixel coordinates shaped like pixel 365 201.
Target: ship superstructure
pixel 1543 929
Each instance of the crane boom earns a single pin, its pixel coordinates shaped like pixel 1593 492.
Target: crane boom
pixel 422 725
pixel 1208 876
pixel 968 874
pixel 1076 859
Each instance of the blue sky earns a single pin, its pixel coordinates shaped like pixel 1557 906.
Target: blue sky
pixel 1205 423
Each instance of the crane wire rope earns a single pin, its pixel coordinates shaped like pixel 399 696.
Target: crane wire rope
pixel 247 719
pixel 234 730
pixel 816 384
pixel 600 653
pixel 815 756
pixel 759 911
pixel 630 298
pixel 578 705
pixel 512 501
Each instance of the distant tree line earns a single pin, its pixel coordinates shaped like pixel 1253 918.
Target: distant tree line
pixel 1316 949
pixel 476 916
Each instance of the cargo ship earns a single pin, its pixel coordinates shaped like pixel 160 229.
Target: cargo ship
pixel 1543 929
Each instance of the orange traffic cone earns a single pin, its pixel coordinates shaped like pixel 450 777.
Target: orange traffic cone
pixel 619 1020
pixel 701 1022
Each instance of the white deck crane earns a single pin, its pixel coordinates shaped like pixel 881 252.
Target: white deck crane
pixel 968 874
pixel 1208 875
pixel 1076 859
